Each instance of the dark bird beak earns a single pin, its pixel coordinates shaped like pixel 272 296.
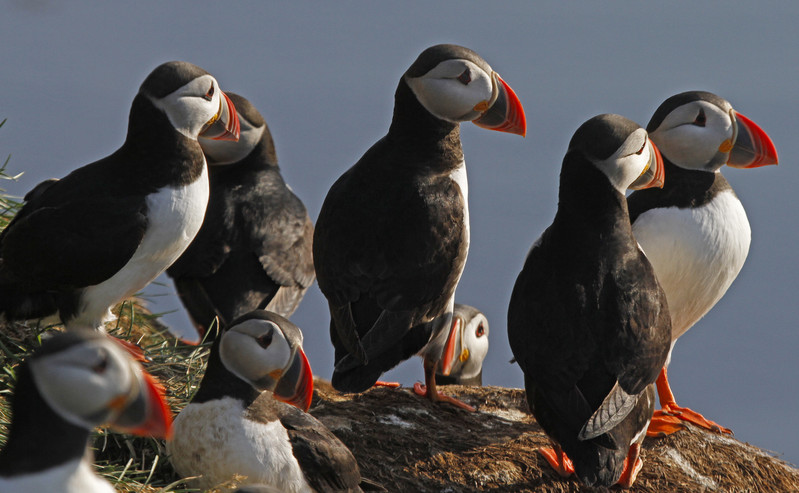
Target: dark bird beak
pixel 295 385
pixel 504 113
pixel 753 147
pixel 225 124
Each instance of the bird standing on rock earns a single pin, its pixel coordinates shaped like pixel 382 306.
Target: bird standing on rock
pixel 81 244
pixel 254 248
pixel 694 230
pixel 393 233
pixel 588 322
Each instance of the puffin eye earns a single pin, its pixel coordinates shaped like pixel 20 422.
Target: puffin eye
pixel 265 340
pixel 701 119
pixel 641 150
pixel 210 94
pixel 101 365
pixel 465 77
pixel 480 332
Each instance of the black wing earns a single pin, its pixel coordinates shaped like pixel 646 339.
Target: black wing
pixel 74 232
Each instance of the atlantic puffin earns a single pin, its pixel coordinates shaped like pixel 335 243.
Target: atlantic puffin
pixel 235 426
pixel 81 244
pixel 588 322
pixel 465 349
pixel 694 230
pixel 74 382
pixel 254 248
pixel 392 235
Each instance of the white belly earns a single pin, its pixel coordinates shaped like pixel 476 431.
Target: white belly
pixel 174 217
pixel 214 440
pixel 696 254
pixel 75 476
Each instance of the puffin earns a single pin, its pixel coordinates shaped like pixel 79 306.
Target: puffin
pixel 466 348
pixel 392 236
pixel 694 230
pixel 253 250
pixel 74 382
pixel 248 416
pixel 588 322
pixel 81 244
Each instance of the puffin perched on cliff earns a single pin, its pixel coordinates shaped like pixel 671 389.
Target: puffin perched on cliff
pixel 83 243
pixel 74 382
pixel 393 233
pixel 694 230
pixel 254 248
pixel 235 425
pixel 588 322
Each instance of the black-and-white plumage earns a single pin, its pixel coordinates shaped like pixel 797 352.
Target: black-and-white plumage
pixel 81 244
pixel 588 322
pixel 254 248
pixel 393 233
pixel 235 426
pixel 76 381
pixel 694 230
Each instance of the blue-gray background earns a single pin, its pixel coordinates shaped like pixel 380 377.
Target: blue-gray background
pixel 324 73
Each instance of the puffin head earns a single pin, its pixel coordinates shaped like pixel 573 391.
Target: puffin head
pixel 90 380
pixel 191 99
pixel 699 130
pixel 252 129
pixel 265 350
pixel 622 150
pixel 467 344
pixel 455 84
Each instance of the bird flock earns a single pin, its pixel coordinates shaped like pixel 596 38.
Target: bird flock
pixel 196 191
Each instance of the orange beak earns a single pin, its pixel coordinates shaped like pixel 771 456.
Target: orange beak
pixel 148 414
pixel 295 386
pixel 506 114
pixel 225 124
pixel 448 357
pixel 753 147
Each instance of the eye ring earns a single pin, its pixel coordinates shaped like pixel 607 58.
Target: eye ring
pixel 701 118
pixel 210 94
pixel 265 340
pixel 480 332
pixel 465 77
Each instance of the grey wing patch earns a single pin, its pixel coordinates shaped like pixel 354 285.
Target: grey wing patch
pixel 286 300
pixel 614 408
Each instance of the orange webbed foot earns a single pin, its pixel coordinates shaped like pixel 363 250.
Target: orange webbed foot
pixel 421 390
pixel 558 460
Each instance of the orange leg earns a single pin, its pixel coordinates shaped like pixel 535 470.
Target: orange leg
pixel 430 391
pixel 671 417
pixel 630 472
pixel 558 460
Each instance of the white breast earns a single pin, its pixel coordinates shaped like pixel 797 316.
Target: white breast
pixel 213 440
pixel 696 254
pixel 76 476
pixel 174 217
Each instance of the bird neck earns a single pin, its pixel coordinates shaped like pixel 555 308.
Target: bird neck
pixel 219 382
pixel 423 138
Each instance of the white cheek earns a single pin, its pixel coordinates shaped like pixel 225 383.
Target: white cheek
pixel 690 146
pixel 449 99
